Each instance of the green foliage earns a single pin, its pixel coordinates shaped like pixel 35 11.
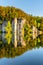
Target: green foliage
pixel 9 13
pixel 27 32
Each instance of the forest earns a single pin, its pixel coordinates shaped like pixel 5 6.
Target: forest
pixel 9 13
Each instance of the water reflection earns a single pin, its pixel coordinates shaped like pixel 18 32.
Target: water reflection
pixel 9 50
pixel 7 32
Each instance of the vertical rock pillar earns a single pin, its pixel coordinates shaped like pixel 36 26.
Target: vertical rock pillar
pixel 15 32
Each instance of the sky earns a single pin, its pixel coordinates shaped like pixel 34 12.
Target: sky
pixel 33 7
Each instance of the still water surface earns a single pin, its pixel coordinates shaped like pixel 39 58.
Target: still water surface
pixel 32 54
pixel 31 57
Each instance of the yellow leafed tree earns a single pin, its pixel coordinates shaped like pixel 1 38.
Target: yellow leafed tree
pixel 8 35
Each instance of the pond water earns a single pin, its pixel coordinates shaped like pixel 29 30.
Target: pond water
pixel 31 54
pixel 31 57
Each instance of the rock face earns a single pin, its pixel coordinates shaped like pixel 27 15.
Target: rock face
pixel 17 32
pixel 6 32
pixel 35 32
